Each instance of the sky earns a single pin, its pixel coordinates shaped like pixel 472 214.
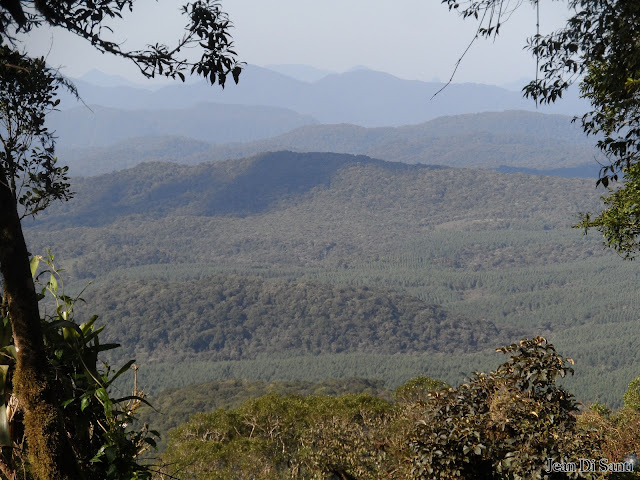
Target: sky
pixel 411 39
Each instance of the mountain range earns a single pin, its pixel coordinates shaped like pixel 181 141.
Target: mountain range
pixel 101 126
pixel 512 141
pixel 360 97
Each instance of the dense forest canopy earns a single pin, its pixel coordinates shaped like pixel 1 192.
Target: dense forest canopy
pixel 489 248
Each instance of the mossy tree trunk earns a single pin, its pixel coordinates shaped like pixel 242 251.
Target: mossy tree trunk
pixel 50 453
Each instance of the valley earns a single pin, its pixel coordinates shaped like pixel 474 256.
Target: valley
pixel 414 269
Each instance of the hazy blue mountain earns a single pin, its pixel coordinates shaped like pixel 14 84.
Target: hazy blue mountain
pixel 123 96
pixel 516 140
pixel 362 97
pixel 259 86
pixel 99 126
pixel 128 153
pixel 101 79
pixel 303 73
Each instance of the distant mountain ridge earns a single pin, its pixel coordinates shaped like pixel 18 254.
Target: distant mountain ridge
pixel 484 140
pixel 271 182
pixel 362 97
pixel 512 139
pixel 100 126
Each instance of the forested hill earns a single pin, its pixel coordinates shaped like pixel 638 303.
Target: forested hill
pixel 235 188
pixel 481 140
pixel 304 210
pixel 239 318
pixel 479 244
pixel 277 181
pixel 484 140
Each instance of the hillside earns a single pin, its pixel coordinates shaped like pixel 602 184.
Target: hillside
pixel 483 140
pixel 516 139
pixel 487 246
pixel 242 318
pixel 98 126
pixel 371 194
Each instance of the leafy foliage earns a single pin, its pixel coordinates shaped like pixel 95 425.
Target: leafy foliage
pixel 27 94
pixel 287 437
pixel 417 389
pixel 632 395
pixel 96 422
pixel 619 432
pixel 174 406
pixel 505 424
pixel 208 30
pixel 598 47
pixel 620 221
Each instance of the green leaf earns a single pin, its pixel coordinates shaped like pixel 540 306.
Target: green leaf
pixel 33 263
pixel 5 434
pixel 105 346
pixel 53 283
pixel 150 441
pixel 84 403
pixel 102 395
pixel 98 455
pixel 8 351
pixel 111 452
pixel 86 327
pixel 65 324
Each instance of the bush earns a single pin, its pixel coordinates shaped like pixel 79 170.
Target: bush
pixel 504 425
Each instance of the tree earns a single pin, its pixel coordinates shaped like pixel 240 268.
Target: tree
pixel 292 436
pixel 103 443
pixel 599 48
pixel 504 425
pixel 30 178
pixel 208 30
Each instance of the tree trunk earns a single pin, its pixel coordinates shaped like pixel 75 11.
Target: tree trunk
pixel 50 453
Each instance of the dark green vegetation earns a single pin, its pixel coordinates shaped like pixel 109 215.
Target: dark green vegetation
pixel 102 445
pixel 485 140
pixel 243 318
pixel 173 407
pixel 489 249
pixel 503 424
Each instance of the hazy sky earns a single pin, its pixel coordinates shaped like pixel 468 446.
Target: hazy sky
pixel 413 39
